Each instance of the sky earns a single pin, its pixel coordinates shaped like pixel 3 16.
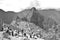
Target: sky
pixel 18 5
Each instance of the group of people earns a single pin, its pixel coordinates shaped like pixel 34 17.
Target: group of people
pixel 17 33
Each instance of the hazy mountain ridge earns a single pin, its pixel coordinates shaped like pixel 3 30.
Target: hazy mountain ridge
pixel 45 12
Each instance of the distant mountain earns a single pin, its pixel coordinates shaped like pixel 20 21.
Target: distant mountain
pixel 2 10
pixel 6 16
pixel 53 13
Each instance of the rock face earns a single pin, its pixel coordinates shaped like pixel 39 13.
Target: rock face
pixel 36 18
pixel 41 20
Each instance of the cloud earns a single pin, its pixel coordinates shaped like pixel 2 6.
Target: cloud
pixel 17 5
pixel 49 3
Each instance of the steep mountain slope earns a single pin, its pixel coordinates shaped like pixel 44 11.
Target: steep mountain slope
pixel 52 13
